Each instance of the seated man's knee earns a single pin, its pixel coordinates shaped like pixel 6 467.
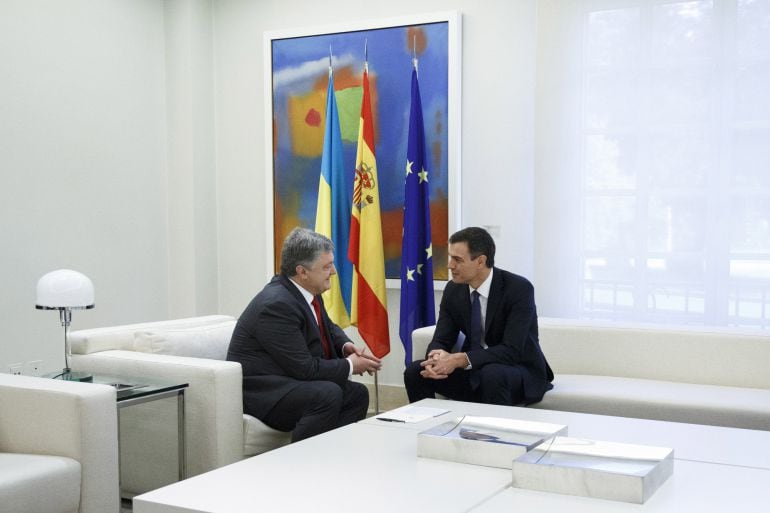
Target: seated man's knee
pixel 493 374
pixel 327 393
pixel 500 384
pixel 412 372
pixel 358 392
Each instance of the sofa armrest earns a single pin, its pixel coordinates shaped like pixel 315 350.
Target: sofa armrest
pixel 421 337
pixel 65 418
pixel 213 416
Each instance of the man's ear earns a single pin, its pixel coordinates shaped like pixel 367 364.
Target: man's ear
pixel 300 271
pixel 482 260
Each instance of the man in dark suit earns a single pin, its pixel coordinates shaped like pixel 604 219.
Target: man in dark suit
pixel 296 361
pixel 500 361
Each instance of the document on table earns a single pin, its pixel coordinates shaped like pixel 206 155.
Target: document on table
pixel 411 414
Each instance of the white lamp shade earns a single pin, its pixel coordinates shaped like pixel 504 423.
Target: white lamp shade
pixel 64 288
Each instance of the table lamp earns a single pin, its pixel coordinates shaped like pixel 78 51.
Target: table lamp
pixel 66 290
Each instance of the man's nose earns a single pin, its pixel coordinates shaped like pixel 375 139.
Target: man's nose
pixel 334 270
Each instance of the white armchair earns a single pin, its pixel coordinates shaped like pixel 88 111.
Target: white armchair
pixel 58 446
pixel 189 351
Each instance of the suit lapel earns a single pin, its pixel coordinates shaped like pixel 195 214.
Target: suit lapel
pixel 306 308
pixel 296 294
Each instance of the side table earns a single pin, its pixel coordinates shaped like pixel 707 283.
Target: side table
pixel 135 390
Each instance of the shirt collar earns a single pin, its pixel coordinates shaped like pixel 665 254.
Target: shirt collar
pixel 485 286
pixel 305 293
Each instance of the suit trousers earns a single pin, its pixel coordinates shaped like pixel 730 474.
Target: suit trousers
pixel 315 407
pixel 493 383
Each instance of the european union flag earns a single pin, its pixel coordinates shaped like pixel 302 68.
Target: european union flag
pixel 417 304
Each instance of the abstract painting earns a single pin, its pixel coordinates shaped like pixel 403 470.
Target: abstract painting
pixel 298 75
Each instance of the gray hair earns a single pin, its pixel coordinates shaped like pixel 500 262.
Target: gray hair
pixel 303 247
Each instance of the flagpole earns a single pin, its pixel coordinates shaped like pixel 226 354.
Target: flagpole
pixel 376 380
pixel 376 374
pixel 376 395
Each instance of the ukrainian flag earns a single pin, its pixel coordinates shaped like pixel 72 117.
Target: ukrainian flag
pixel 332 216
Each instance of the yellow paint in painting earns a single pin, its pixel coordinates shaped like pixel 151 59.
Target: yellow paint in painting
pixel 307 118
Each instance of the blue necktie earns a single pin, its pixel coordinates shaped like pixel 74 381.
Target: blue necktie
pixel 477 331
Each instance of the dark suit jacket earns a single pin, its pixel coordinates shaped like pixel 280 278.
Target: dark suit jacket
pixel 277 342
pixel 510 329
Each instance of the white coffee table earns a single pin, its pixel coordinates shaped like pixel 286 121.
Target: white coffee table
pixel 355 468
pixel 372 466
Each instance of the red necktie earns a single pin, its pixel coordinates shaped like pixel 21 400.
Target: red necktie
pixel 317 307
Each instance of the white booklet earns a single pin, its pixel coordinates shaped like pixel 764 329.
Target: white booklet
pixel 410 414
pixel 487 441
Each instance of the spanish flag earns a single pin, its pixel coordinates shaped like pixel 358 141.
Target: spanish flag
pixel 332 218
pixel 369 310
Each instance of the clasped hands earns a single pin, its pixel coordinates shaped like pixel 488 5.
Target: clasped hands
pixel 361 361
pixel 440 364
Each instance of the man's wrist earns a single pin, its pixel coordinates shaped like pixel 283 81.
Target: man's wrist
pixel 466 362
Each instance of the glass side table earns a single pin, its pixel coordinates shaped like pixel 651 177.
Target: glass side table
pixel 135 390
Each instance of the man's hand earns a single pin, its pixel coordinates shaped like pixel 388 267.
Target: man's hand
pixel 440 364
pixel 361 361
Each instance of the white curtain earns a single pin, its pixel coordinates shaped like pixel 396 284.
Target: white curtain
pixel 653 161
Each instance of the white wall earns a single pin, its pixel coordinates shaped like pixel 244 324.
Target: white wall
pixel 82 153
pixel 132 148
pixel 498 54
pixel 192 211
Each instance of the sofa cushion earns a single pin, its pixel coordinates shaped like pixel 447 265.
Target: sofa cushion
pixel 747 408
pixel 259 438
pixel 43 484
pixel 729 357
pixel 122 337
pixel 198 342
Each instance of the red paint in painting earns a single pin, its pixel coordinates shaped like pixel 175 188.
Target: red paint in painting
pixel 313 118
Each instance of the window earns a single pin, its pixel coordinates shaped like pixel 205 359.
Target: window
pixel 664 111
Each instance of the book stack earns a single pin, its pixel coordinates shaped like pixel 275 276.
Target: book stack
pixel 591 468
pixel 487 441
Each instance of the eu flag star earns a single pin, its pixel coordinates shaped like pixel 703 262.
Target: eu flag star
pixel 408 167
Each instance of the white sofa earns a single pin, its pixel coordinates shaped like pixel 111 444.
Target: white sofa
pixel 58 446
pixel 183 350
pixel 712 376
